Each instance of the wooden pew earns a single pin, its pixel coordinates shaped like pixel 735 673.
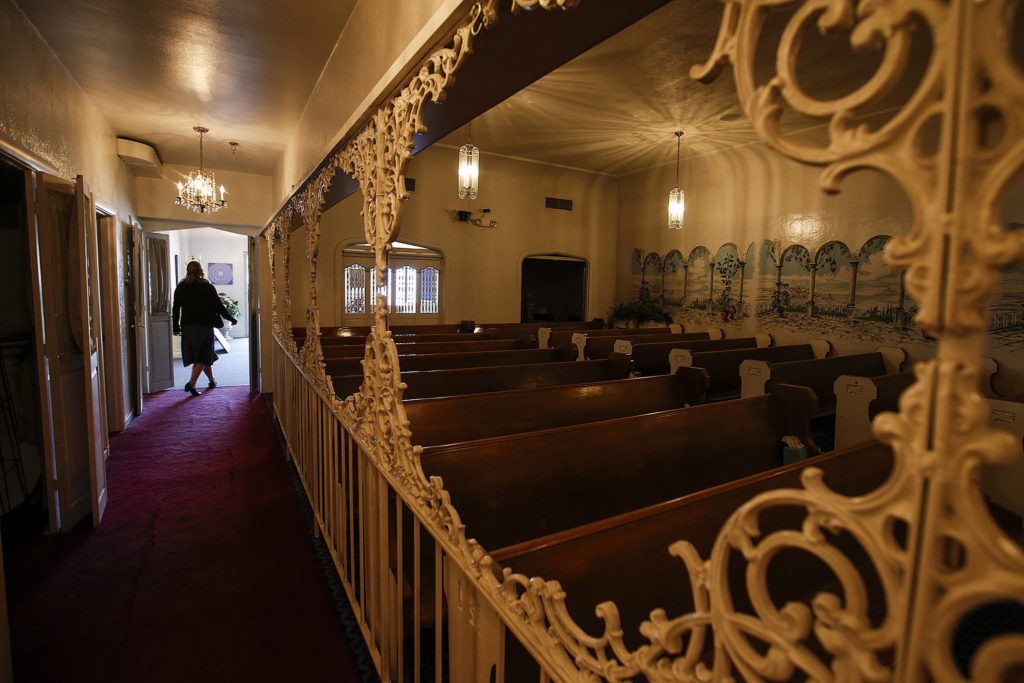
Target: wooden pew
pixel 460 381
pixel 577 338
pixel 441 361
pixel 407 348
pixel 859 399
pixel 804 383
pixel 820 373
pixel 715 375
pixel 656 358
pixel 446 420
pixel 595 348
pixel 626 559
pixel 510 489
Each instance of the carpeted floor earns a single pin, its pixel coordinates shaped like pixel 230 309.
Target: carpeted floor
pixel 202 570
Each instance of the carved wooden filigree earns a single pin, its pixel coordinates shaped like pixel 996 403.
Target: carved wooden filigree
pixel 953 558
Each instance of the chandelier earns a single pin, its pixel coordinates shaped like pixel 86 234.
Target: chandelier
pixel 675 196
pixel 199 192
pixel 469 167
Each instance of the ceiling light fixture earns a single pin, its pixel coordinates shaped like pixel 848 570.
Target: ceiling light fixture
pixel 199 192
pixel 676 205
pixel 469 167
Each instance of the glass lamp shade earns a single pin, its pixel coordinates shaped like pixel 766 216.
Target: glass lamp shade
pixel 469 171
pixel 675 209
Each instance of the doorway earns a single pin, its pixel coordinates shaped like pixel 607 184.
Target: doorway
pixel 225 259
pixel 554 289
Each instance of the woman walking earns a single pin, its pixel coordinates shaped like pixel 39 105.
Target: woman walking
pixel 196 307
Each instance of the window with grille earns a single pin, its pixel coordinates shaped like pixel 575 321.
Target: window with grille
pixel 355 289
pixel 428 290
pixel 412 290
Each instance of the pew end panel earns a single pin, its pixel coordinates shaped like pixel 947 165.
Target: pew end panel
pixel 679 358
pixel 853 397
pixel 579 340
pixel 764 340
pixel 822 347
pixel 754 375
pixel 1005 484
pixel 695 383
pixel 894 358
pixel 675 328
pixel 799 405
pixel 989 368
pixel 543 337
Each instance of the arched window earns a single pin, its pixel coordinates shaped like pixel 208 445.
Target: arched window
pixel 405 290
pixel 413 288
pixel 355 289
pixel 429 278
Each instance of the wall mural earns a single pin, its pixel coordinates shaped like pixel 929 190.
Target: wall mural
pixel 1006 312
pixel 835 292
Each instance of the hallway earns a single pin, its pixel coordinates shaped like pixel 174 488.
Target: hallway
pixel 203 568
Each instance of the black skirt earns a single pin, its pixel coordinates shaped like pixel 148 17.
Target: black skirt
pixel 197 345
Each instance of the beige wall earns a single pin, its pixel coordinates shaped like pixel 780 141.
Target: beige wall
pixel 482 266
pixel 248 196
pixel 48 120
pixel 379 40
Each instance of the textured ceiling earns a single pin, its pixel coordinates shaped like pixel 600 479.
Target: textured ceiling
pixel 157 68
pixel 614 109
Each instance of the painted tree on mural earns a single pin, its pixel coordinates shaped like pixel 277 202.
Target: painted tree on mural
pixel 674 278
pixel 727 268
pixel 652 271
pixel 795 280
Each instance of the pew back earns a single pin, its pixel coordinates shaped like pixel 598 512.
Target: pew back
pixel 513 488
pixel 406 348
pixel 656 358
pixel 590 564
pixel 439 361
pixel 446 420
pixel 715 375
pixel 460 381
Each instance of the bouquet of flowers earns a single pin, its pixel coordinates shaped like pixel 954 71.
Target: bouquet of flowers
pixel 231 305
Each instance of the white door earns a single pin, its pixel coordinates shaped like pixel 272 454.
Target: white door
pixel 158 312
pixel 66 300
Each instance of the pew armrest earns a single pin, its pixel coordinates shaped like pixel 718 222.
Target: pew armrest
pixel 798 405
pixel 695 383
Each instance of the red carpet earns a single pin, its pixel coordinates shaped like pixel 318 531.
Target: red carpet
pixel 203 569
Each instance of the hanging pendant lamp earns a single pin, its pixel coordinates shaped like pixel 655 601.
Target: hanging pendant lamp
pixel 676 204
pixel 469 167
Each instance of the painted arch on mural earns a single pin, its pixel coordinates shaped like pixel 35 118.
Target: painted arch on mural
pixel 833 279
pixel 674 278
pixel 652 275
pixel 698 278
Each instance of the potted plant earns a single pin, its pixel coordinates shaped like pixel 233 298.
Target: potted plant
pixel 231 306
pixel 643 310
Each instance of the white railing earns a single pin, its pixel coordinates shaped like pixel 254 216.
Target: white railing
pixel 393 568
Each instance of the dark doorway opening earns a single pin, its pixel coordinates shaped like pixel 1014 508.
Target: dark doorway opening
pixel 554 289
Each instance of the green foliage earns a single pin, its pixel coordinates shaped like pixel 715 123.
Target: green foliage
pixel 638 312
pixel 231 305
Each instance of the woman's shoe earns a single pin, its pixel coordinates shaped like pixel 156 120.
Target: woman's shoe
pixel 212 384
pixel 191 389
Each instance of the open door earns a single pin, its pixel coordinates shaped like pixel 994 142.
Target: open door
pixel 254 314
pixel 68 326
pixel 158 269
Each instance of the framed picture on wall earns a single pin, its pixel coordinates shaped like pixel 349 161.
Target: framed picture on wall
pixel 221 273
